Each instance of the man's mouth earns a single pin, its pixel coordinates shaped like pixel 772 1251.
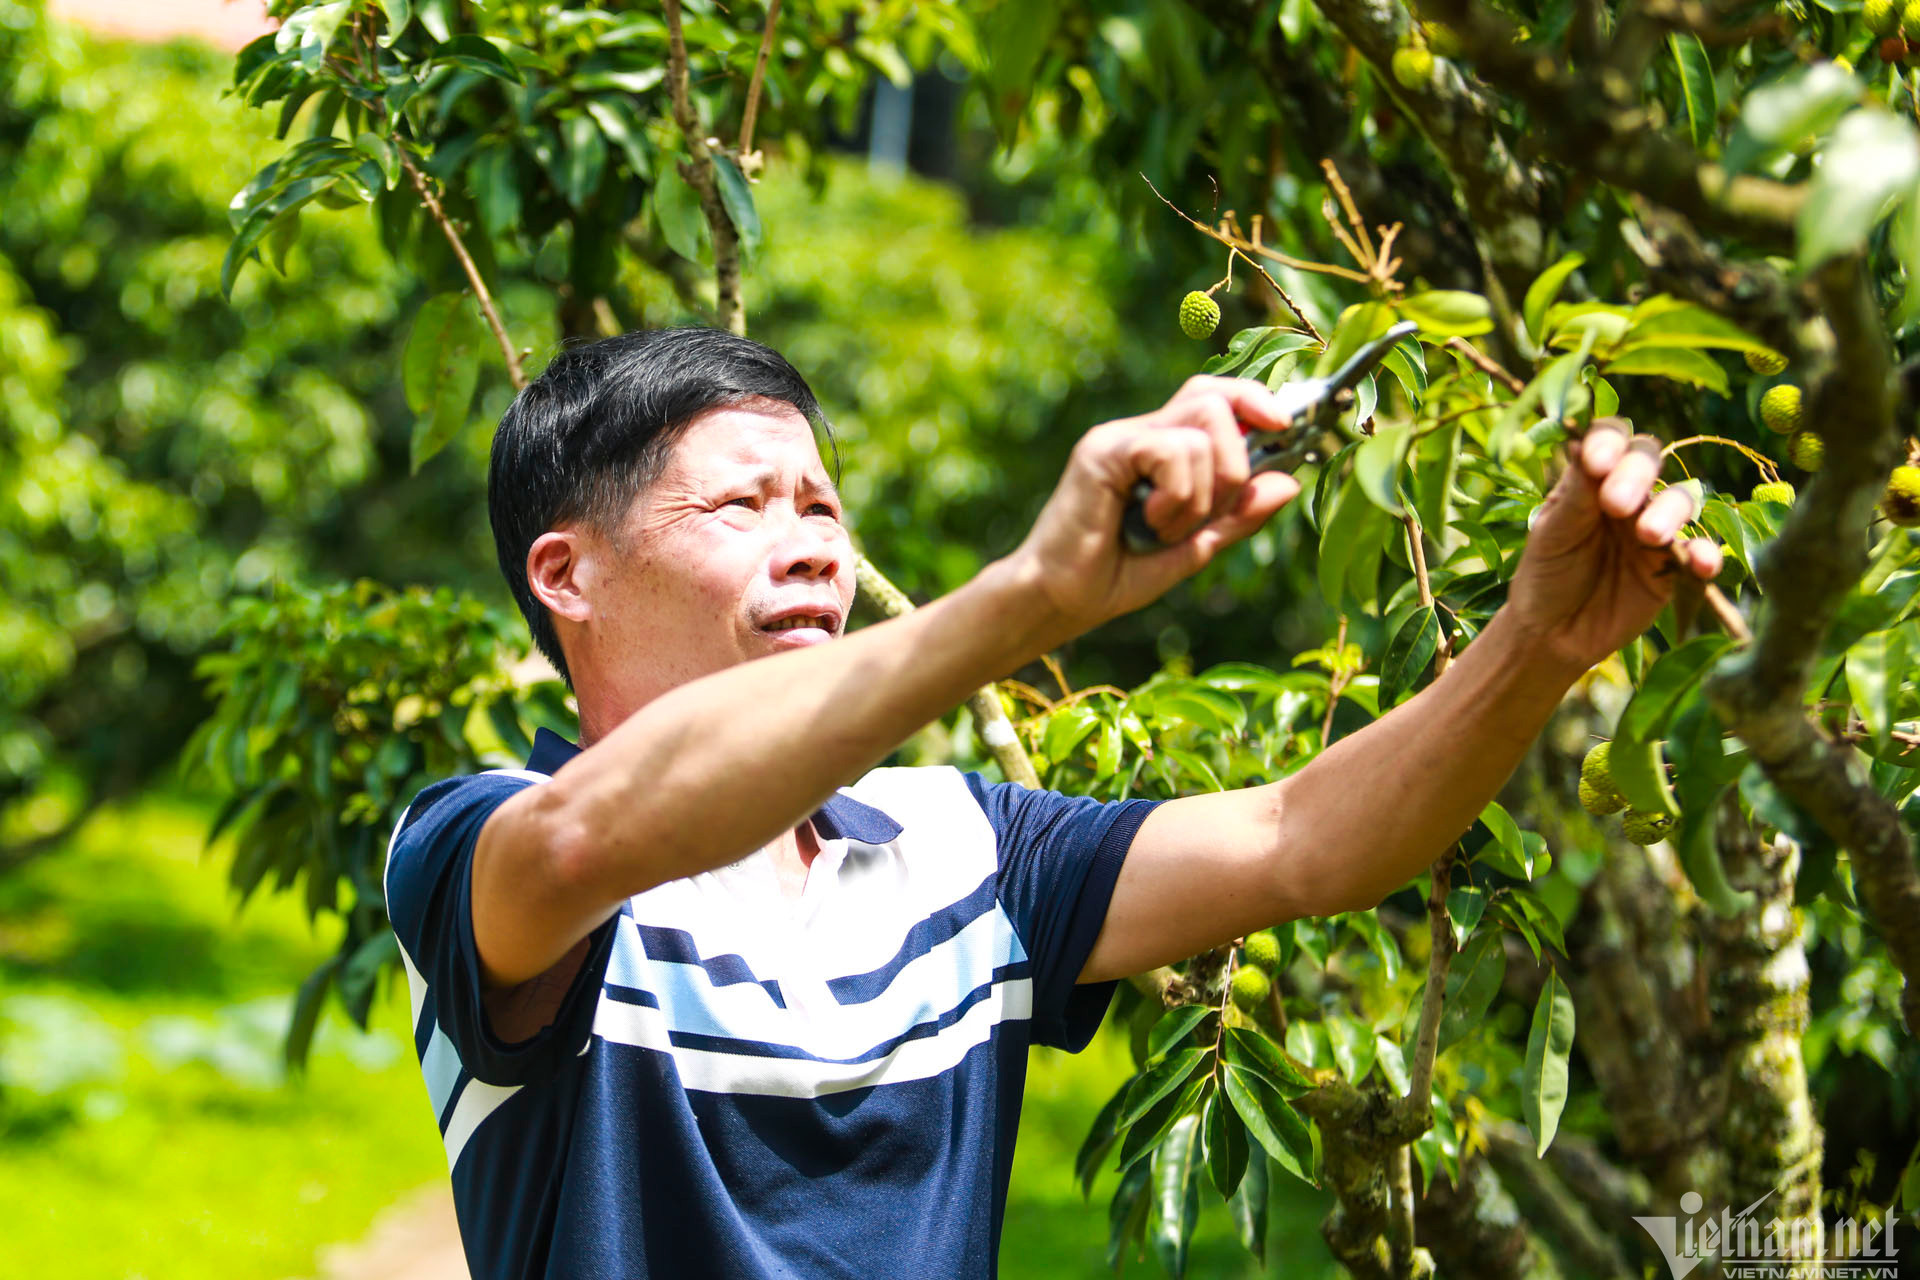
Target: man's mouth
pixel 820 621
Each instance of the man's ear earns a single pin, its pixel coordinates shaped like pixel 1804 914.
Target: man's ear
pixel 556 573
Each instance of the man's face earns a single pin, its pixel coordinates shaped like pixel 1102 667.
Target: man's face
pixel 737 551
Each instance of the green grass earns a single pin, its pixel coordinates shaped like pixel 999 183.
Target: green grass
pixel 147 1128
pixel 146 1131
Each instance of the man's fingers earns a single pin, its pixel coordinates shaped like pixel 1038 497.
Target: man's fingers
pixel 1603 444
pixel 1702 557
pixel 1627 484
pixel 1670 509
pixel 1249 399
pixel 1263 495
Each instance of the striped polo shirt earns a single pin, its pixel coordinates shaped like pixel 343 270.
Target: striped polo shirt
pixel 743 1084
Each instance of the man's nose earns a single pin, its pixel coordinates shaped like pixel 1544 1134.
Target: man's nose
pixel 810 552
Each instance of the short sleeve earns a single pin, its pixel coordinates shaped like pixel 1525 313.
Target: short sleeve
pixel 429 885
pixel 1059 858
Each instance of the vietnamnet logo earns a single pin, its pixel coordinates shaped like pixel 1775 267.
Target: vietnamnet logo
pixel 1749 1248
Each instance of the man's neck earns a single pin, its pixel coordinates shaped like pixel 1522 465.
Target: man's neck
pixel 793 854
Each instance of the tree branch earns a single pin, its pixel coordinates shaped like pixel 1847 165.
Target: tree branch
pixel 474 281
pixel 1426 1042
pixel 1806 575
pixel 1583 123
pixel 700 175
pixel 752 109
pixel 989 715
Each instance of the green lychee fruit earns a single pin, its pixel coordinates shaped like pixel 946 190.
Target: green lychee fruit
pixel 1910 20
pixel 1645 828
pixel 1250 988
pixel 1780 407
pixel 1774 491
pixel 1413 65
pixel 1806 450
pixel 1766 362
pixel 1262 950
pixel 1901 501
pixel 1599 802
pixel 1199 315
pixel 1880 16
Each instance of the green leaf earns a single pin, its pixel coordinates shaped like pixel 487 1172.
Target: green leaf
pixel 399 13
pixel 1640 772
pixel 616 120
pixel 1127 1215
pixel 1663 322
pixel 1357 326
pixel 1436 461
pixel 1248 1208
pixel 737 196
pixel 1176 1173
pixel 261 219
pixel 1682 364
pixel 1099 1141
pixel 307 1005
pixel 1353 1046
pixel 1355 522
pixel 1408 654
pixel 1408 364
pixel 678 210
pixel 1250 1049
pixel 1465 906
pixel 1696 86
pixel 383 152
pixel 1472 983
pixel 475 53
pixel 1174 1026
pixel 494 180
pixel 583 159
pixel 1393 1064
pixel 1447 313
pixel 440 369
pixel 1799 104
pixel 1376 466
pixel 1507 838
pixel 1544 1091
pixel 1544 289
pixel 1869 663
pixel 1274 1124
pixel 1067 728
pixel 1872 159
pixel 1147 1132
pixel 1158 1081
pixel 1699 853
pixel 1665 684
pixel 1227 1146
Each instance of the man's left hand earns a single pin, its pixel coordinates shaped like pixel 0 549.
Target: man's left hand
pixel 1599 563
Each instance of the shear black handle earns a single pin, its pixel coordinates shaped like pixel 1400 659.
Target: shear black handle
pixel 1139 536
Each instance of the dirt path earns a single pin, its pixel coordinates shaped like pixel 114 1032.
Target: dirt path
pixel 413 1239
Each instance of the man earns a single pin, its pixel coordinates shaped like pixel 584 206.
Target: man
pixel 690 1005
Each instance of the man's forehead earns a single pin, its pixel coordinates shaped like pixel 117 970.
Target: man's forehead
pixel 755 442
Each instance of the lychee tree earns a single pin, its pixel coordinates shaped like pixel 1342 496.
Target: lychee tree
pixel 1693 916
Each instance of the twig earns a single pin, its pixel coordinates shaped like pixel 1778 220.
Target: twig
pixel 752 109
pixel 1336 682
pixel 1245 247
pixel 474 281
pixel 1416 542
pixel 699 172
pixel 1400 1216
pixel 1486 364
pixel 1426 1043
pixel 989 716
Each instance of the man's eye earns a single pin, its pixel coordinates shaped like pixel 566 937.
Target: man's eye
pixel 740 502
pixel 822 509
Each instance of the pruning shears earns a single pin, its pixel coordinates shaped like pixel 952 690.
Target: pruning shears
pixel 1313 407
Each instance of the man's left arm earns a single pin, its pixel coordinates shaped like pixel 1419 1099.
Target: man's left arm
pixel 1375 808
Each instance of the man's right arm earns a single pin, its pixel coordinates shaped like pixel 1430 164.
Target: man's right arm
pixel 716 768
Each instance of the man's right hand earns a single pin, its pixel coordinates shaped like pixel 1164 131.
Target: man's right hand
pixel 1203 501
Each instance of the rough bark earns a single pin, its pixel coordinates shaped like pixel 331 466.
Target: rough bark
pixel 1474 1229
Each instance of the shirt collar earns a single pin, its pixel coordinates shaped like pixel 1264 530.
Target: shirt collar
pixel 840 818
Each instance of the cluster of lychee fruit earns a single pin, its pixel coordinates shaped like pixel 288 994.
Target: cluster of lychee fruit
pixel 1253 979
pixel 1897 23
pixel 1783 411
pixel 1599 796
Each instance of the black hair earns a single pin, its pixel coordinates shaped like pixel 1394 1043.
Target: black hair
pixel 595 428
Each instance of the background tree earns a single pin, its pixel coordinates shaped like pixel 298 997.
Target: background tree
pixel 1663 210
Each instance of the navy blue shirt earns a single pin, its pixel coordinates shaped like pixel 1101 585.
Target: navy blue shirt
pixel 743 1085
